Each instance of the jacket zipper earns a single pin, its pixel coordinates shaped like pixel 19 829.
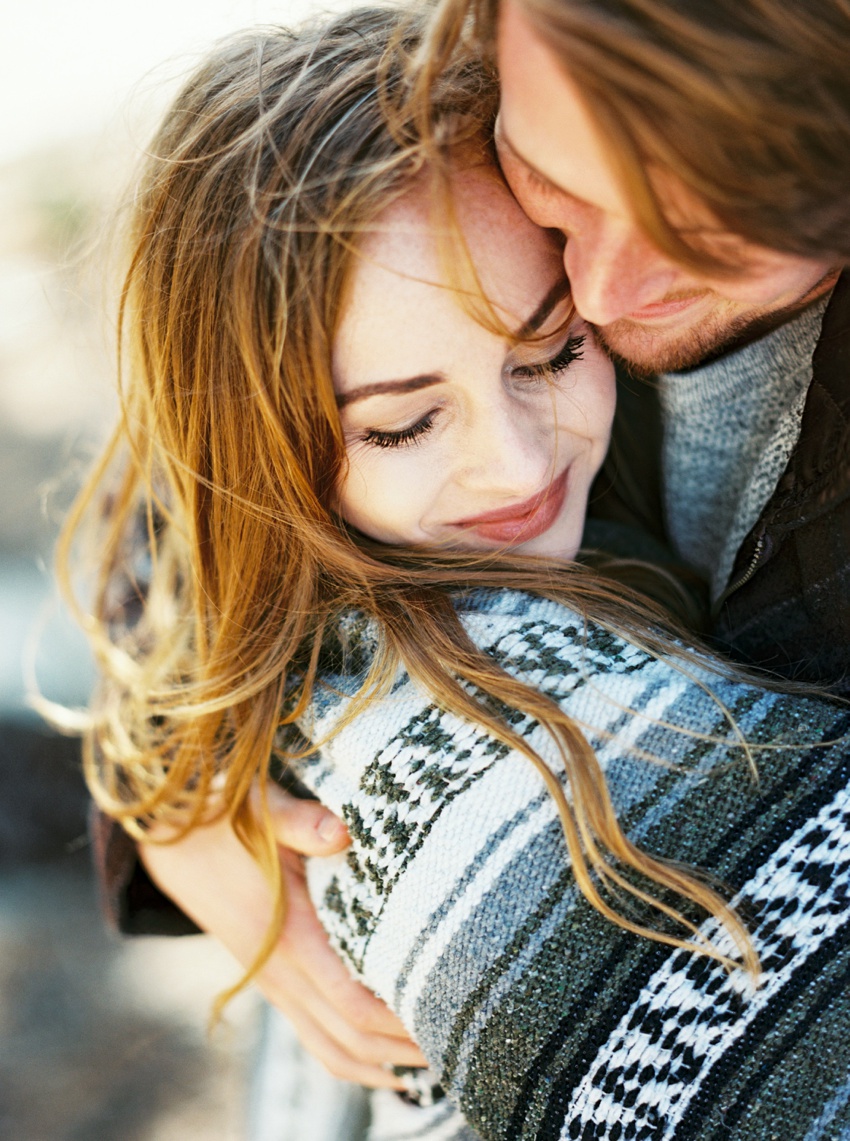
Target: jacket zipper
pixel 752 567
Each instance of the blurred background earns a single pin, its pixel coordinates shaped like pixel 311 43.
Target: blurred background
pixel 100 1038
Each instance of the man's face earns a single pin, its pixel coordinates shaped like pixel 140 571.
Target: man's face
pixel 647 309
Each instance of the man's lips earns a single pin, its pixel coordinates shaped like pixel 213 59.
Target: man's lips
pixel 524 521
pixel 658 310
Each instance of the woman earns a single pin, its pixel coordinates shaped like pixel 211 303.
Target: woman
pixel 315 489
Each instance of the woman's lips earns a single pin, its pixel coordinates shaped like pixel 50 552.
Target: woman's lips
pixel 524 521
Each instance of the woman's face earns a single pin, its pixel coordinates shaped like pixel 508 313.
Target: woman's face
pixel 455 438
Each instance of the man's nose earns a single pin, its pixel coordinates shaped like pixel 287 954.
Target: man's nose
pixel 614 270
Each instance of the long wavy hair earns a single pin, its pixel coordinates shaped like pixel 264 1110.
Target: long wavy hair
pixel 745 102
pixel 208 526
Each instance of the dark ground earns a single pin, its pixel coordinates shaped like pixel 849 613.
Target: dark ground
pixel 101 1038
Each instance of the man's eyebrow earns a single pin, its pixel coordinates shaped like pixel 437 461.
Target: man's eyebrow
pixel 388 387
pixel 503 140
pixel 557 293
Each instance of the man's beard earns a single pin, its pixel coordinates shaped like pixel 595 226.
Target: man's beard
pixel 644 351
pixel 647 352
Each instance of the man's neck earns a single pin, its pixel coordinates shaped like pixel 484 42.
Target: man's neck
pixel 761 326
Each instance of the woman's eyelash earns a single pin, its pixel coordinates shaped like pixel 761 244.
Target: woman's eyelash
pixel 572 351
pixel 381 439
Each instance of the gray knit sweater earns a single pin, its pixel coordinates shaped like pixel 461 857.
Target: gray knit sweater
pixel 729 429
pixel 542 1019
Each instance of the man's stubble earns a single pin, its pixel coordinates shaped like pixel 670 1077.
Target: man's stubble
pixel 645 351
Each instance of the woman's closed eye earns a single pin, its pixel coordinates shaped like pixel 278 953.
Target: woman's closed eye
pixel 382 438
pixel 566 356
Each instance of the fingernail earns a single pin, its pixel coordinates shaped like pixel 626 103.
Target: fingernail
pixel 330 829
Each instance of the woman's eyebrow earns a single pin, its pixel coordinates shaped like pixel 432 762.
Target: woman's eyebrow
pixel 388 387
pixel 557 293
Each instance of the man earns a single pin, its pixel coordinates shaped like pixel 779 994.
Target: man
pixel 706 226
pixel 696 158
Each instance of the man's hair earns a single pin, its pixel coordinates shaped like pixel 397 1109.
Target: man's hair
pixel 745 102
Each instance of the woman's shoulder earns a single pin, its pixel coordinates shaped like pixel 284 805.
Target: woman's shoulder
pixel 520 629
pixel 542 641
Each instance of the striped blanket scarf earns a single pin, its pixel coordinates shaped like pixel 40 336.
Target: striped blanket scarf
pixel 540 1018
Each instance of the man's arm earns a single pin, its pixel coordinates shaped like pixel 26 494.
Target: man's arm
pixel 209 882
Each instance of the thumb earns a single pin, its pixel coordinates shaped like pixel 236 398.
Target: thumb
pixel 305 826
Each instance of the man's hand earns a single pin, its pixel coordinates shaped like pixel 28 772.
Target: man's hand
pixel 217 883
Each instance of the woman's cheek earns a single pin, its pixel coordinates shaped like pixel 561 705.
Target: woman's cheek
pixel 602 400
pixel 352 493
pixel 381 494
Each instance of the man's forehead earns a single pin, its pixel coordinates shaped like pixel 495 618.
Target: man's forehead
pixel 545 126
pixel 543 120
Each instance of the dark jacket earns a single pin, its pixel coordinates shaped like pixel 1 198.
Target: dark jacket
pixel 787 608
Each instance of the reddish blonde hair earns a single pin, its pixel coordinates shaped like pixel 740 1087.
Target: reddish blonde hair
pixel 220 563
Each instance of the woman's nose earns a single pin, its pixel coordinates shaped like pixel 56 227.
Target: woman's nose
pixel 508 451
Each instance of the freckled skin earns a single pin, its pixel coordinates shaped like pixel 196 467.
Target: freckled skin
pixel 647 309
pixel 499 437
